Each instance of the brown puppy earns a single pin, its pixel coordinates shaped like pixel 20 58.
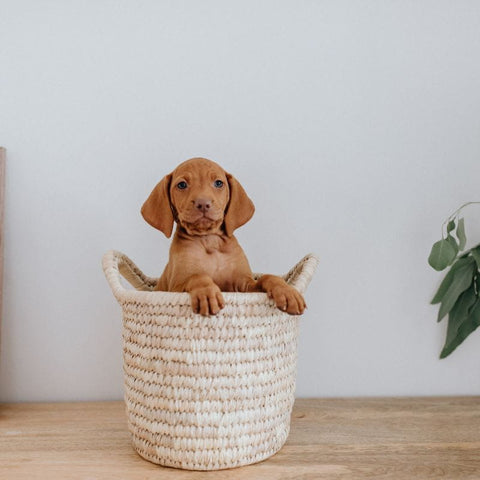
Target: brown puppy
pixel 208 204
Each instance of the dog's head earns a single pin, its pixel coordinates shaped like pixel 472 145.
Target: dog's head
pixel 201 197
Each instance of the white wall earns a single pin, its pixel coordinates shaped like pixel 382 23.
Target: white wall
pixel 354 126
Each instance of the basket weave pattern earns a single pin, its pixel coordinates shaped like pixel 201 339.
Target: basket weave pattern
pixel 206 393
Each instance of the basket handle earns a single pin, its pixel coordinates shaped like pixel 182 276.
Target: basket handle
pixel 115 264
pixel 301 274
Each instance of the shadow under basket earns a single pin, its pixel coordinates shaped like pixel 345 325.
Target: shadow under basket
pixel 206 393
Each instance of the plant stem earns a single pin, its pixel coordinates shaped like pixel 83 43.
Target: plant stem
pixel 455 213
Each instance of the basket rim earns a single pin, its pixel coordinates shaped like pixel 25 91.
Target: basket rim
pixel 183 298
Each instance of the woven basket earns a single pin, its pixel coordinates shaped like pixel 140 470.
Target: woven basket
pixel 206 393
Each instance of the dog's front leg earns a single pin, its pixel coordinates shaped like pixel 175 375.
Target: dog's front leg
pixel 205 294
pixel 285 296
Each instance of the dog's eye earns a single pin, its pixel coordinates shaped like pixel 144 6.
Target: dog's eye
pixel 182 185
pixel 218 183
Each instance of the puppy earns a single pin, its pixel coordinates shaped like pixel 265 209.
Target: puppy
pixel 208 205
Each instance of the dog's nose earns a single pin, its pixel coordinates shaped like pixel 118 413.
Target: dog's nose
pixel 203 204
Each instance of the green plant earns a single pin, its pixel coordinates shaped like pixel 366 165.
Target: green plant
pixel 459 292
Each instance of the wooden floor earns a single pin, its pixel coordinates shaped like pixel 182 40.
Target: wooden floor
pixel 428 438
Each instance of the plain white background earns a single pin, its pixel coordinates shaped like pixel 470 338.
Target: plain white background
pixel 354 127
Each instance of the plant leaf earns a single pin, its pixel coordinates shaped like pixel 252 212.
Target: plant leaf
pixel 456 318
pixel 451 240
pixel 465 328
pixel 450 226
pixel 442 255
pixel 476 255
pixel 462 279
pixel 449 277
pixel 462 239
pixel 460 312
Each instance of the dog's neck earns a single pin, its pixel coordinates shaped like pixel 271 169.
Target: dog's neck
pixel 217 241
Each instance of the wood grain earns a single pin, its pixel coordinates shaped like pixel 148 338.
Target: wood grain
pixel 422 438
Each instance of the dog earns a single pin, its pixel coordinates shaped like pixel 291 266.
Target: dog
pixel 208 204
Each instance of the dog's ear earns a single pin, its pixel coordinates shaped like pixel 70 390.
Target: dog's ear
pixel 240 208
pixel 157 209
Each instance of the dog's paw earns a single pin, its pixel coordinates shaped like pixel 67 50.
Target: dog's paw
pixel 287 299
pixel 207 300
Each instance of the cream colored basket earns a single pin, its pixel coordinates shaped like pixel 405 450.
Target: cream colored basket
pixel 206 393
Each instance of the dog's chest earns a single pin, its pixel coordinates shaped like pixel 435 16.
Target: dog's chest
pixel 221 261
pixel 218 254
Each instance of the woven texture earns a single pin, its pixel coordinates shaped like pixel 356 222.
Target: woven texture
pixel 206 393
